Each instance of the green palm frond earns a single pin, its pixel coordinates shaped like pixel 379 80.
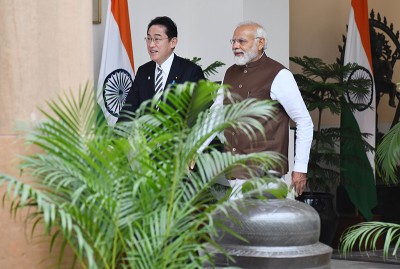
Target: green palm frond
pixel 315 68
pixel 323 86
pixel 366 235
pixel 388 155
pixel 211 69
pixel 124 197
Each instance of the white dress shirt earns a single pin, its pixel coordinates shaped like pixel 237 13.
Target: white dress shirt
pixel 166 67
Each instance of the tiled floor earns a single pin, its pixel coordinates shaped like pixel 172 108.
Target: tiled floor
pixel 364 260
pixel 347 264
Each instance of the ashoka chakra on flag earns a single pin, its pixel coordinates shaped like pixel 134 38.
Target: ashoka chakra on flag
pixel 115 90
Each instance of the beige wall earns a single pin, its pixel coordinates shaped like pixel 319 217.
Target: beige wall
pixel 316 29
pixel 45 49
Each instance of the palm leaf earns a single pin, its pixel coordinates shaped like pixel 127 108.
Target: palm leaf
pixel 366 235
pixel 210 69
pixel 388 155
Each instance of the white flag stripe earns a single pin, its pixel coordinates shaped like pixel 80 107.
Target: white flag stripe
pixel 355 53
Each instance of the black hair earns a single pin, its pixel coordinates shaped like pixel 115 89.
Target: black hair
pixel 172 30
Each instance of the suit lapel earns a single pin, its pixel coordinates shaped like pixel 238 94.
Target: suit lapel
pixel 175 73
pixel 150 79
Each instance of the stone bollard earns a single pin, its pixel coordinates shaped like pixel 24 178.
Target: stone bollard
pixel 280 234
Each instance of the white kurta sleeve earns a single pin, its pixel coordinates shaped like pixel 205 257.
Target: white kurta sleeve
pixel 284 89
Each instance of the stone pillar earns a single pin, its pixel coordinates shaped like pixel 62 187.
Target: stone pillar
pixel 46 49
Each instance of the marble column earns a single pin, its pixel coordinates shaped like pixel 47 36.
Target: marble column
pixel 46 48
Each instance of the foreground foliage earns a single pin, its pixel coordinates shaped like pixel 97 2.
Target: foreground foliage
pixel 124 197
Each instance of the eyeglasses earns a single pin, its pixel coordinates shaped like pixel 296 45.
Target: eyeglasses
pixel 241 41
pixel 156 40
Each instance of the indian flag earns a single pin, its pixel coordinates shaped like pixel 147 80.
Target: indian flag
pixel 358 175
pixel 117 69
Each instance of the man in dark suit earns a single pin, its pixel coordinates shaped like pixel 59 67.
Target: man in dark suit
pixel 165 67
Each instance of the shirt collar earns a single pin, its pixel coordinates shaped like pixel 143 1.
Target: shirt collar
pixel 166 66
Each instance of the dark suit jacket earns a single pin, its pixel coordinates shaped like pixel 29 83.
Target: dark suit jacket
pixel 182 70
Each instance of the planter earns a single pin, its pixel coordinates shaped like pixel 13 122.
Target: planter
pixel 279 233
pixel 323 204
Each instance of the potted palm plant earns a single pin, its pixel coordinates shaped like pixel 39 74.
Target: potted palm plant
pixel 125 197
pixel 324 87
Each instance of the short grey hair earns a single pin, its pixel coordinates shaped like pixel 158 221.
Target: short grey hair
pixel 260 32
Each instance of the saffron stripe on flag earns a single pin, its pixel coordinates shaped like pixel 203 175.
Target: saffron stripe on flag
pixel 120 12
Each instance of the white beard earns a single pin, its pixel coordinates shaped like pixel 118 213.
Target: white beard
pixel 240 60
pixel 247 56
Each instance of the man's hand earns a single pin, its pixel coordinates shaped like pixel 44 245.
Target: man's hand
pixel 298 182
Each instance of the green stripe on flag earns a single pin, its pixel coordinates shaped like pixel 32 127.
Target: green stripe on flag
pixel 355 169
